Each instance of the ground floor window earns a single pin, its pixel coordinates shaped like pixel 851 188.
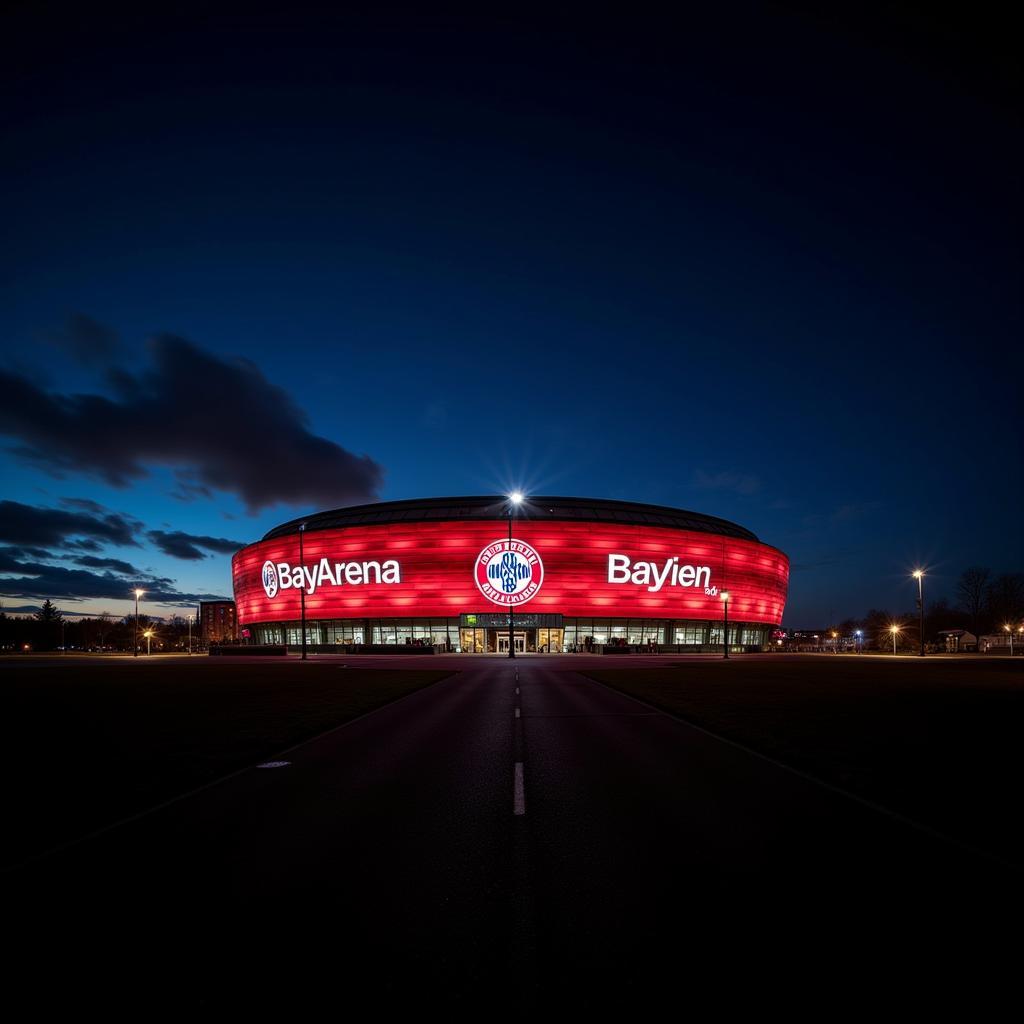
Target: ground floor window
pixel 576 634
pixel 691 635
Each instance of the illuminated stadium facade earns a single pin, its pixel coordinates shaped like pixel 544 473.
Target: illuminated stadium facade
pixel 579 574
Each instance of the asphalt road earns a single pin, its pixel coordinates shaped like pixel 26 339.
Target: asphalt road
pixel 393 865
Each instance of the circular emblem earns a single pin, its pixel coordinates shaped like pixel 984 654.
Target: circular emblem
pixel 270 581
pixel 508 573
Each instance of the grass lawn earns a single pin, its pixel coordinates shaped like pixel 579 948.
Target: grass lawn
pixel 937 740
pixel 92 741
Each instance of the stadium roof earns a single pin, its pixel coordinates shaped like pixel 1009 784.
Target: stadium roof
pixel 535 508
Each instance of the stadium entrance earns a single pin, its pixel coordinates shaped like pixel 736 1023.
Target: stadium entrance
pixel 520 643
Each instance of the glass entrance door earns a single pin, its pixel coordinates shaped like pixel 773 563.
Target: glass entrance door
pixel 520 642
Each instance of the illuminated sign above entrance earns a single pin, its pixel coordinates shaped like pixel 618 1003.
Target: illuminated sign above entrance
pixel 499 620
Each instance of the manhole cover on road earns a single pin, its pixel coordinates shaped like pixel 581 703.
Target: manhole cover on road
pixel 274 764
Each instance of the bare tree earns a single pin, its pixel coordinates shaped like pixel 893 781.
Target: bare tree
pixel 1004 600
pixel 103 626
pixel 971 592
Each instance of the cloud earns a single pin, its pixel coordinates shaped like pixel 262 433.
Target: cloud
pixel 85 545
pixel 35 525
pixel 25 552
pixel 55 581
pixel 88 341
pixel 91 562
pixel 740 483
pixel 219 425
pixel 187 545
pixel 85 504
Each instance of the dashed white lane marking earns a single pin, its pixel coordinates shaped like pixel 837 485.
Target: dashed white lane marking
pixel 517 689
pixel 517 712
pixel 274 764
pixel 519 794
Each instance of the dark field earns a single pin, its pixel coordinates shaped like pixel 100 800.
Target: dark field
pixel 938 741
pixel 89 742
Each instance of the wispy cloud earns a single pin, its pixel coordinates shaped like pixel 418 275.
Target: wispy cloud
pixel 88 341
pixel 187 545
pixel 725 480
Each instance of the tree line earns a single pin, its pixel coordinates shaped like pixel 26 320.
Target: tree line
pixel 985 602
pixel 49 629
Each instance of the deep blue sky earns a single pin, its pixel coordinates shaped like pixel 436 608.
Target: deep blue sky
pixel 761 264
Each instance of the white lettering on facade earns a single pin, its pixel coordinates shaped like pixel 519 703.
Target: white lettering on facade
pixel 622 569
pixel 322 573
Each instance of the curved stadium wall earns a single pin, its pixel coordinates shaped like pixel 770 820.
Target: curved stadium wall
pixel 580 574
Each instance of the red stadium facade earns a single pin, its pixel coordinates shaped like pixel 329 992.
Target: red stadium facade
pixel 579 574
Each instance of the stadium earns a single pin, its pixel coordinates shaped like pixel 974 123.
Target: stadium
pixel 573 574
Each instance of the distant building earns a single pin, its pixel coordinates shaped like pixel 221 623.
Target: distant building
pixel 218 621
pixel 956 640
pixel 1002 643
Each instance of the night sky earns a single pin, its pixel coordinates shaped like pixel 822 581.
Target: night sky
pixel 763 263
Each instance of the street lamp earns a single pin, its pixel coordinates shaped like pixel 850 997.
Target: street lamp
pixel 894 630
pixel 918 575
pixel 725 633
pixel 302 590
pixel 858 634
pixel 149 637
pixel 190 635
pixel 835 644
pixel 1009 629
pixel 138 594
pixel 514 500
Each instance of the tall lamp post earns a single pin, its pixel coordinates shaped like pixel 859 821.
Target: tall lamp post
pixel 894 630
pixel 513 503
pixel 1009 629
pixel 919 576
pixel 859 634
pixel 190 635
pixel 725 632
pixel 138 594
pixel 149 637
pixel 302 591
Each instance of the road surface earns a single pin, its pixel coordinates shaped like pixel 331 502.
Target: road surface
pixel 515 838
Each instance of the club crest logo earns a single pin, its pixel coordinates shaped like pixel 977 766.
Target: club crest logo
pixel 507 573
pixel 270 580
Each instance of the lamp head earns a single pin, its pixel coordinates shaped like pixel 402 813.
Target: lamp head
pixel 516 497
pixel 917 573
pixel 139 593
pixel 725 595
